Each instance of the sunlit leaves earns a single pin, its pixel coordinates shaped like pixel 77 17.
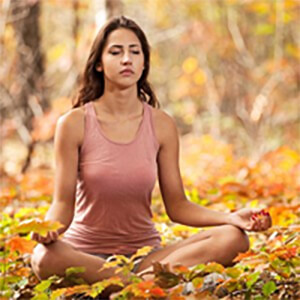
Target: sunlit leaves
pixel 38 226
pixel 219 181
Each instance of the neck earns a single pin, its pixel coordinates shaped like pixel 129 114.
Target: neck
pixel 120 102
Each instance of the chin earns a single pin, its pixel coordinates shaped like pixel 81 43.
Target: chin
pixel 125 85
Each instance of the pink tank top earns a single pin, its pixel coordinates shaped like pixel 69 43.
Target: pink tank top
pixel 114 187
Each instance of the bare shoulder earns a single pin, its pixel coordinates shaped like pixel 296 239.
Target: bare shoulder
pixel 71 124
pixel 164 126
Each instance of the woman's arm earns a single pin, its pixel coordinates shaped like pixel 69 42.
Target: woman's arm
pixel 66 144
pixel 178 207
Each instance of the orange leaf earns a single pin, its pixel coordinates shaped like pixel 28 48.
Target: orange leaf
pixel 24 272
pixel 83 288
pixel 145 285
pixel 157 292
pixel 20 244
pixel 286 253
pixel 181 269
pixel 241 256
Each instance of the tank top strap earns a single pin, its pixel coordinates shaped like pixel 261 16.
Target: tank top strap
pixel 149 124
pixel 89 126
pixel 90 116
pixel 88 108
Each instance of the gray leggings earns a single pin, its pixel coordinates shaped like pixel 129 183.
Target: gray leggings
pixel 137 261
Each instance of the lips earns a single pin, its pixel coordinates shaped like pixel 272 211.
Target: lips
pixel 126 71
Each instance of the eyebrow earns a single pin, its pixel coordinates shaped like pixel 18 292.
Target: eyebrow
pixel 120 46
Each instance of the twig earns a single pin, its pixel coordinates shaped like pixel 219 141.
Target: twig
pixel 237 38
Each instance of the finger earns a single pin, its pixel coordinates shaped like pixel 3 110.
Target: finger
pixel 257 224
pixel 39 238
pixel 249 226
pixel 265 220
pixel 253 225
pixel 264 223
pixel 47 239
pixel 33 236
pixel 53 236
pixel 50 238
pixel 270 220
pixel 256 211
pixel 256 219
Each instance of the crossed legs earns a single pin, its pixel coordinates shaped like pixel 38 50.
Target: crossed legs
pixel 220 244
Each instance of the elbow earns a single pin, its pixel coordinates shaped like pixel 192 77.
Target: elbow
pixel 177 211
pixel 172 216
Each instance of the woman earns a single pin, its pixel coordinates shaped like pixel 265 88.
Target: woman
pixel 108 150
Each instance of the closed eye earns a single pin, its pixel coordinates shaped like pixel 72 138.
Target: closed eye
pixel 116 53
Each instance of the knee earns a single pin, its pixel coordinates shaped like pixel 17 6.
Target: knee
pixel 234 238
pixel 41 260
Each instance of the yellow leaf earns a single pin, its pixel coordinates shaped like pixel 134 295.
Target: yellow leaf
pixel 57 293
pixel 38 226
pixel 190 65
pixel 199 77
pixel 142 252
pixel 254 203
pixel 108 265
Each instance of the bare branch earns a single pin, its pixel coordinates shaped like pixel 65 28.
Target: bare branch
pixel 279 30
pixel 162 36
pixel 261 100
pixel 247 58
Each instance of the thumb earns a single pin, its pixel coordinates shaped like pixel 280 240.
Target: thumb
pixel 255 210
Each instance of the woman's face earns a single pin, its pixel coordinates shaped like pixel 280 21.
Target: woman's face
pixel 122 59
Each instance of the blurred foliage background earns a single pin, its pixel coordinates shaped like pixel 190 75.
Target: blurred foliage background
pixel 224 68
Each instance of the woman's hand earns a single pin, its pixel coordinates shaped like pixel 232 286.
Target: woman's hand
pixel 51 237
pixel 251 219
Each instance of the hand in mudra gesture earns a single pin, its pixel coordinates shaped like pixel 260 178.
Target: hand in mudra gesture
pixel 51 237
pixel 251 219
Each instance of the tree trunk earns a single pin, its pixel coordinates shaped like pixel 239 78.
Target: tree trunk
pixel 29 99
pixel 29 96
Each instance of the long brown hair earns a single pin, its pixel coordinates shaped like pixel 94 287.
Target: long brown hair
pixel 92 85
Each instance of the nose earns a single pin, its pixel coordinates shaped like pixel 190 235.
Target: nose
pixel 126 58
